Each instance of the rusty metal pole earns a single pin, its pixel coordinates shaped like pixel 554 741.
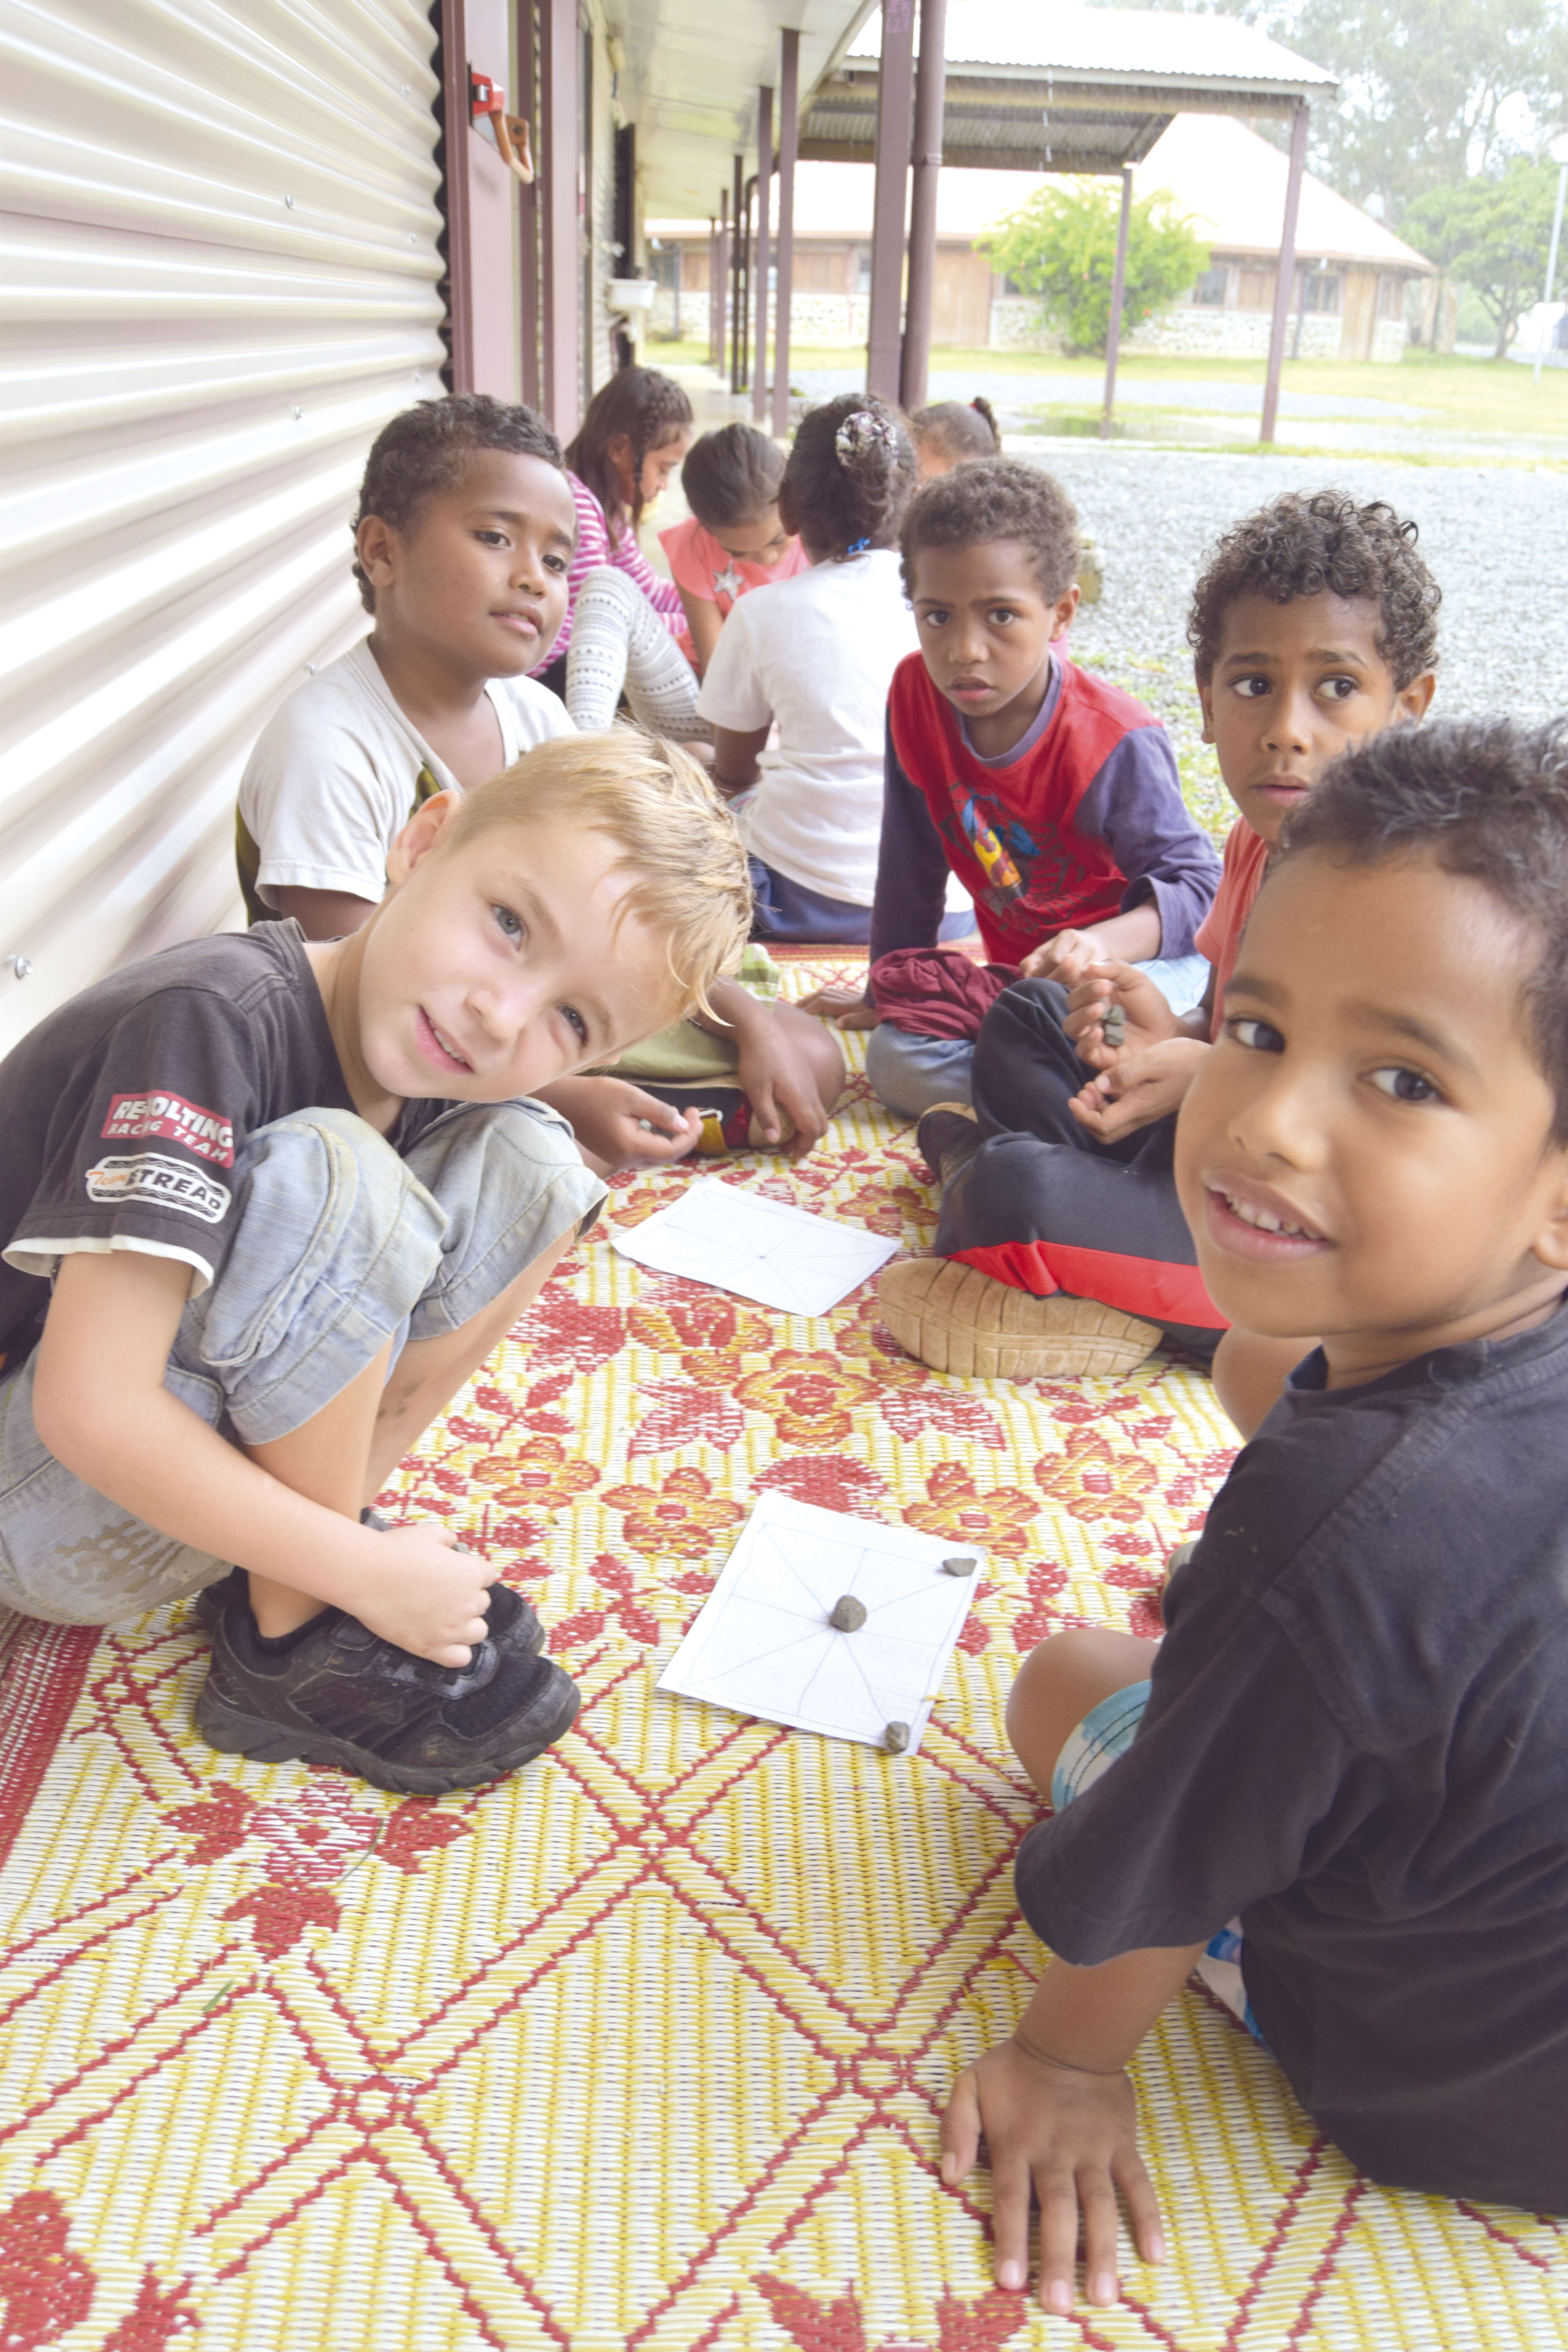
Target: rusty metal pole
pixel 1285 279
pixel 895 119
pixel 737 258
pixel 561 385
pixel 931 91
pixel 764 206
pixel 1117 296
pixel 789 145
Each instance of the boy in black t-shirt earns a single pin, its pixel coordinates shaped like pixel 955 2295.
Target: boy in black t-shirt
pixel 267 1205
pixel 1354 1734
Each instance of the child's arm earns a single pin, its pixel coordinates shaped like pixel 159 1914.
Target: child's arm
pixel 616 1126
pixel 786 1065
pixel 735 753
pixel 100 1406
pixel 1059 2116
pixel 911 891
pixel 323 914
pixel 704 620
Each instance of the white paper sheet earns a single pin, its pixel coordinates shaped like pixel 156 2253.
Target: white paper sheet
pixel 760 1249
pixel 763 1645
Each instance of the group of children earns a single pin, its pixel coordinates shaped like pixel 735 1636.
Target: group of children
pixel 269 1200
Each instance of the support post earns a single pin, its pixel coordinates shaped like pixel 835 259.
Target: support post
pixel 1285 279
pixel 930 93
pixel 764 206
pixel 789 148
pixel 718 283
pixel 527 105
pixel 561 385
pixel 895 114
pixel 1550 268
pixel 1117 296
pixel 737 266
pixel 454 111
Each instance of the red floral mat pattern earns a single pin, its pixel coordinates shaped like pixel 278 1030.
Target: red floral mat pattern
pixel 646 2047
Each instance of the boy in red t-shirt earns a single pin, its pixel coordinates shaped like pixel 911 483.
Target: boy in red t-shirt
pixel 1052 796
pixel 1062 1245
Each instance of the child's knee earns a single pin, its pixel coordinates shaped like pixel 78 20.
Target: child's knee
pixel 336 1239
pixel 1059 1682
pixel 509 1183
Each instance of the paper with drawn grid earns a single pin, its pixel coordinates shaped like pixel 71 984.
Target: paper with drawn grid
pixel 762 1645
pixel 760 1249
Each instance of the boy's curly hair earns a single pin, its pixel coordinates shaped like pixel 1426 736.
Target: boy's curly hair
pixel 849 475
pixel 1486 798
pixel 998 497
pixel 425 448
pixel 650 409
pixel 1301 545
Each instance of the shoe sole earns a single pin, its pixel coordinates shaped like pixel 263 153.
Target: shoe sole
pixel 957 1319
pixel 236 1733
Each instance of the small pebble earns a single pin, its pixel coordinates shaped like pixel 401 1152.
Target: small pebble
pixel 896 1739
pixel 963 1564
pixel 1113 1025
pixel 848 1615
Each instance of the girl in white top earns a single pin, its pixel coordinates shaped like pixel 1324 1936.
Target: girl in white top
pixel 817 655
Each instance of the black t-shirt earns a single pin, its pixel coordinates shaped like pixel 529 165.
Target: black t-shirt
pixel 1358 1738
pixel 121 1112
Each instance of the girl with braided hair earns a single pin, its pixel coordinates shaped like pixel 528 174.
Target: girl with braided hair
pixel 625 628
pixel 952 431
pixel 814 656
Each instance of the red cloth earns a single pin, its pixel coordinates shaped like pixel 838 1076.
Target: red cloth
pixel 1219 934
pixel 1008 831
pixel 936 991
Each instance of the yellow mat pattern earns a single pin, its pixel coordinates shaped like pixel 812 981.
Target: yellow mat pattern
pixel 645 2048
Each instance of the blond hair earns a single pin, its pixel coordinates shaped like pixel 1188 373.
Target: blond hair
pixel 689 879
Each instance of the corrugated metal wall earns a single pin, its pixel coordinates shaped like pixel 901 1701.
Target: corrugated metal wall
pixel 220 278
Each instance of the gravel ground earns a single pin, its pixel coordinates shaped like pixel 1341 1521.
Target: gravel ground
pixel 1495 538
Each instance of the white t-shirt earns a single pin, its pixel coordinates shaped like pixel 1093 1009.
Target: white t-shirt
pixel 335 774
pixel 817 653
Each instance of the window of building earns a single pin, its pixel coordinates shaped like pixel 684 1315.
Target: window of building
pixel 1321 291
pixel 1210 288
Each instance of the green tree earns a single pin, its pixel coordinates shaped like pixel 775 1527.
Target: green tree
pixel 1429 90
pixel 1061 245
pixel 1492 231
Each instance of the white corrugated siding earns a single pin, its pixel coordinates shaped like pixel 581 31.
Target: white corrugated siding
pixel 220 278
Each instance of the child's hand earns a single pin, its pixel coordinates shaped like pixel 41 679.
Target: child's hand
pixel 847 1007
pixel 1066 959
pixel 422 1593
pixel 607 1116
pixel 1137 1088
pixel 1147 1017
pixel 778 1080
pixel 1071 2137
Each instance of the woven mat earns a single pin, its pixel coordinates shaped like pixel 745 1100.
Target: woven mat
pixel 646 2047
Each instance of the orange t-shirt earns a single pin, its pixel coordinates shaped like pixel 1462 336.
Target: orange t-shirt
pixel 699 565
pixel 1219 934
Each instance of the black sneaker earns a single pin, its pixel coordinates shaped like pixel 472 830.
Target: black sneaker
pixel 340 1695
pixel 509 1623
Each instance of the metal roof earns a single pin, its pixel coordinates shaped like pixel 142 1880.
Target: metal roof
pixel 1068 90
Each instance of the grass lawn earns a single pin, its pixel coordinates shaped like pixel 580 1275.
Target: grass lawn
pixel 1458 395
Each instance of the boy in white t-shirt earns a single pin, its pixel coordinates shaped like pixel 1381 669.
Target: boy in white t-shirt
pixel 816 654
pixel 464 541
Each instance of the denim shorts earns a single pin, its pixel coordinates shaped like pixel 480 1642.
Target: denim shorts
pixel 340 1245
pixel 1090 1748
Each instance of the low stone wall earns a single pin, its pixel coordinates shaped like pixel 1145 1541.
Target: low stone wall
pixel 1388 340
pixel 820 321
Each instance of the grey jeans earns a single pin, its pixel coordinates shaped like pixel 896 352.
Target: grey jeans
pixel 341 1245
